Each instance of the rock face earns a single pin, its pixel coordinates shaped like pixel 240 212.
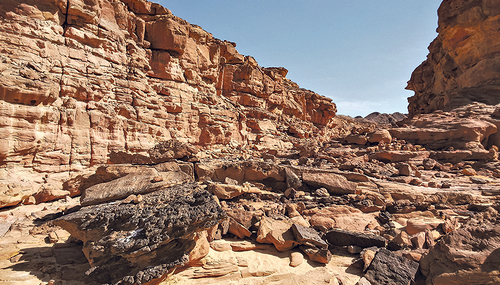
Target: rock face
pixel 136 243
pixel 468 255
pixel 463 61
pixel 84 83
pixel 471 127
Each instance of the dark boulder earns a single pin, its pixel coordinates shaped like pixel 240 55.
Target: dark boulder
pixel 136 243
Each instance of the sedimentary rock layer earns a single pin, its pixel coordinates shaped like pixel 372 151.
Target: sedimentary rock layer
pixel 463 61
pixel 86 82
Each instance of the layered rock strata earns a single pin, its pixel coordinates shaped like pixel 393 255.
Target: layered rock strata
pixel 85 83
pixel 463 61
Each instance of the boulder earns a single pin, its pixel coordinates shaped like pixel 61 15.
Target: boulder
pixel 339 216
pixel 148 180
pixel 416 225
pixel 389 268
pixel 335 184
pixel 304 235
pixel 468 255
pixel 229 191
pixel 170 150
pixel 378 136
pixel 238 229
pixel 277 232
pixel 137 243
pixel 340 237
pixel 320 255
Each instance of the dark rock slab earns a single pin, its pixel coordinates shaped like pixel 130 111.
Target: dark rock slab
pixel 136 243
pixel 340 237
pixel 389 268
pixel 304 235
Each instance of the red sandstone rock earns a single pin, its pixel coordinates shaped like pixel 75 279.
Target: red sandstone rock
pixel 462 63
pixel 124 75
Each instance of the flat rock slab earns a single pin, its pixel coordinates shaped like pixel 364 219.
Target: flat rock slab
pixel 340 237
pixel 142 182
pixel 305 235
pixel 335 184
pixel 389 268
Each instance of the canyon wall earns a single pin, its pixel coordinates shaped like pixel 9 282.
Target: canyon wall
pixel 463 64
pixel 91 82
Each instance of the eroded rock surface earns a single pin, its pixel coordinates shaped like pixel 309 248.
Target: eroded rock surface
pixel 468 255
pixel 86 83
pixel 136 243
pixel 462 65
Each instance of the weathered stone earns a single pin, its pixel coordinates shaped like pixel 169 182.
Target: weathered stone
pixel 292 180
pixel 246 245
pixel 368 256
pixel 343 238
pixel 141 242
pixel 220 246
pixel 321 255
pixel 296 259
pixel 134 183
pixel 335 184
pixel 389 268
pixel 277 232
pixel 171 149
pixel 416 225
pixel 238 229
pixel 339 216
pixel 467 255
pixel 380 136
pixel 224 191
pixel 304 235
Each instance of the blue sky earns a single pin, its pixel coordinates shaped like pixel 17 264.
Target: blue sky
pixel 360 53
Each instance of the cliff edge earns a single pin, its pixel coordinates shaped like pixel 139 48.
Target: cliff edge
pixel 463 65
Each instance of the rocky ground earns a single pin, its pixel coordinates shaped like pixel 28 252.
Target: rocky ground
pixel 137 148
pixel 350 211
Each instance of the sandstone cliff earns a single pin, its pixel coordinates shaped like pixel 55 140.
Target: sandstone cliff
pixel 463 61
pixel 90 82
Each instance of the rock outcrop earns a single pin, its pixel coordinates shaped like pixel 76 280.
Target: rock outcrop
pixel 468 255
pixel 383 118
pixel 463 62
pixel 134 242
pixel 85 83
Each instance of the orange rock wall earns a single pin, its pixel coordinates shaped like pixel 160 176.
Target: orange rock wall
pixel 84 79
pixel 463 64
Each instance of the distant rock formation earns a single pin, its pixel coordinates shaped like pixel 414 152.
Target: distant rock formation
pixel 463 64
pixel 85 83
pixel 383 118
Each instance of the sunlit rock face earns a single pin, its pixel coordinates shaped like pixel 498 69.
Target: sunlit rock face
pixel 463 64
pixel 84 80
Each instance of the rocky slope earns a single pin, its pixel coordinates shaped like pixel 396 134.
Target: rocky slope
pixel 197 166
pixel 463 61
pixel 85 83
